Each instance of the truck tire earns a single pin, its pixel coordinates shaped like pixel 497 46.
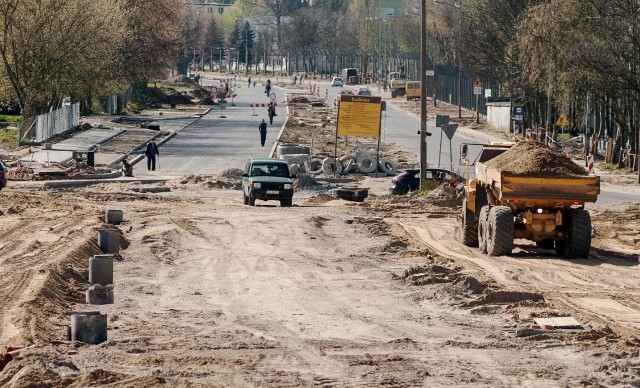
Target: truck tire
pixel 579 242
pixel 469 227
pixel 286 202
pixel 393 94
pixel 500 231
pixel 483 221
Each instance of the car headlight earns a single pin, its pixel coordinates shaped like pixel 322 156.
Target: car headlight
pixel 288 186
pixel 255 185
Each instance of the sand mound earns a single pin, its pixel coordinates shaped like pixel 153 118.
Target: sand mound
pixel 230 179
pixel 533 158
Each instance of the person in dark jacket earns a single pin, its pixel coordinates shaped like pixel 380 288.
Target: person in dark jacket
pixel 151 152
pixel 271 111
pixel 263 131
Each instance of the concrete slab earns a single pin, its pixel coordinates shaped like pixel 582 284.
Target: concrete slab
pixel 86 140
pixel 46 157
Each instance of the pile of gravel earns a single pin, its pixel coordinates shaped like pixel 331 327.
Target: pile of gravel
pixel 534 158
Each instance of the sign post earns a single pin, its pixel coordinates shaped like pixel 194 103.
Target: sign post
pixel 359 116
pixel 477 90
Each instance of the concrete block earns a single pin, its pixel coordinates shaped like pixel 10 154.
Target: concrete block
pixel 101 269
pixel 89 327
pixel 109 240
pixel 114 217
pixel 98 294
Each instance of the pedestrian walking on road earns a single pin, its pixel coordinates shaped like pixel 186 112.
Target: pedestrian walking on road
pixel 151 152
pixel 271 111
pixel 263 131
pixel 249 82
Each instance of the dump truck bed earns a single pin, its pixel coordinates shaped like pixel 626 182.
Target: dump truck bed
pixel 538 190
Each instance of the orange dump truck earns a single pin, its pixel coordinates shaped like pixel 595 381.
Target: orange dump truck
pixel 543 204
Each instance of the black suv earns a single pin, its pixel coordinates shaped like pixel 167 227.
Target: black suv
pixel 267 179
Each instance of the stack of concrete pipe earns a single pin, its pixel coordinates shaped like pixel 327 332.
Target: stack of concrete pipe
pixel 91 326
pixel 361 162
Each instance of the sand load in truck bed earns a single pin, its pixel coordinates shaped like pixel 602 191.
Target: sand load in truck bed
pixel 534 158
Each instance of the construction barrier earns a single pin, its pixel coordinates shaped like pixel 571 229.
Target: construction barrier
pixel 262 105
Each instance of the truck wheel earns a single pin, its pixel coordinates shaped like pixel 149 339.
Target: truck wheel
pixel 286 202
pixel 579 242
pixel 252 201
pixel 393 94
pixel 500 231
pixel 469 228
pixel 482 228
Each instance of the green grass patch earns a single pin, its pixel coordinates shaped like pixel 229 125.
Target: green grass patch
pixel 608 166
pixel 8 136
pixel 10 118
pixel 564 136
pixel 160 85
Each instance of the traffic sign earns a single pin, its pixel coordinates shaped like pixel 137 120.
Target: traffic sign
pixel 487 93
pixel 430 73
pixel 563 120
pixel 442 120
pixel 477 90
pixel 449 130
pixel 477 83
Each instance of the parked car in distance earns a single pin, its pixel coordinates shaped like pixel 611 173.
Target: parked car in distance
pixel 336 81
pixel 3 175
pixel 346 91
pixel 409 179
pixel 363 92
pixel 267 180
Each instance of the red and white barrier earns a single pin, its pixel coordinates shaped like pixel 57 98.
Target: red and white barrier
pixel 262 105
pixel 589 163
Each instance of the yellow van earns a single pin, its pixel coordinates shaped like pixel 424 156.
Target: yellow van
pixel 413 90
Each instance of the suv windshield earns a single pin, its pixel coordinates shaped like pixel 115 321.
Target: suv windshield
pixel 279 170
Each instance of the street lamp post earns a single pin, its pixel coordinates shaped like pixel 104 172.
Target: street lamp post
pixel 458 5
pixel 423 95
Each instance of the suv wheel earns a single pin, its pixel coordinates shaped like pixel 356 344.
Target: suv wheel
pixel 286 202
pixel 246 200
pixel 252 201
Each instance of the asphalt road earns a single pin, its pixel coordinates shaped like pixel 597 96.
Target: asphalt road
pixel 215 143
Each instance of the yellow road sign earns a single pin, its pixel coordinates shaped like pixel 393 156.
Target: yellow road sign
pixel 563 120
pixel 477 83
pixel 359 116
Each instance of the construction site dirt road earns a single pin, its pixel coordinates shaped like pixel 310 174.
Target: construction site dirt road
pixel 210 292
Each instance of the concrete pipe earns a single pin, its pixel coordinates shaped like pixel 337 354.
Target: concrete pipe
pixel 331 166
pixel 101 269
pixel 346 158
pixel 89 327
pixel 294 169
pixel 314 166
pixel 388 166
pixel 295 158
pixel 109 240
pixel 98 294
pixel 288 149
pixel 114 217
pixel 367 163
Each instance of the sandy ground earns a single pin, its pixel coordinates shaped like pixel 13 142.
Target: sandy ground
pixel 210 292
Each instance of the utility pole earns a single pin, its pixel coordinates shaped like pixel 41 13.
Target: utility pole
pixel 423 96
pixel 246 49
